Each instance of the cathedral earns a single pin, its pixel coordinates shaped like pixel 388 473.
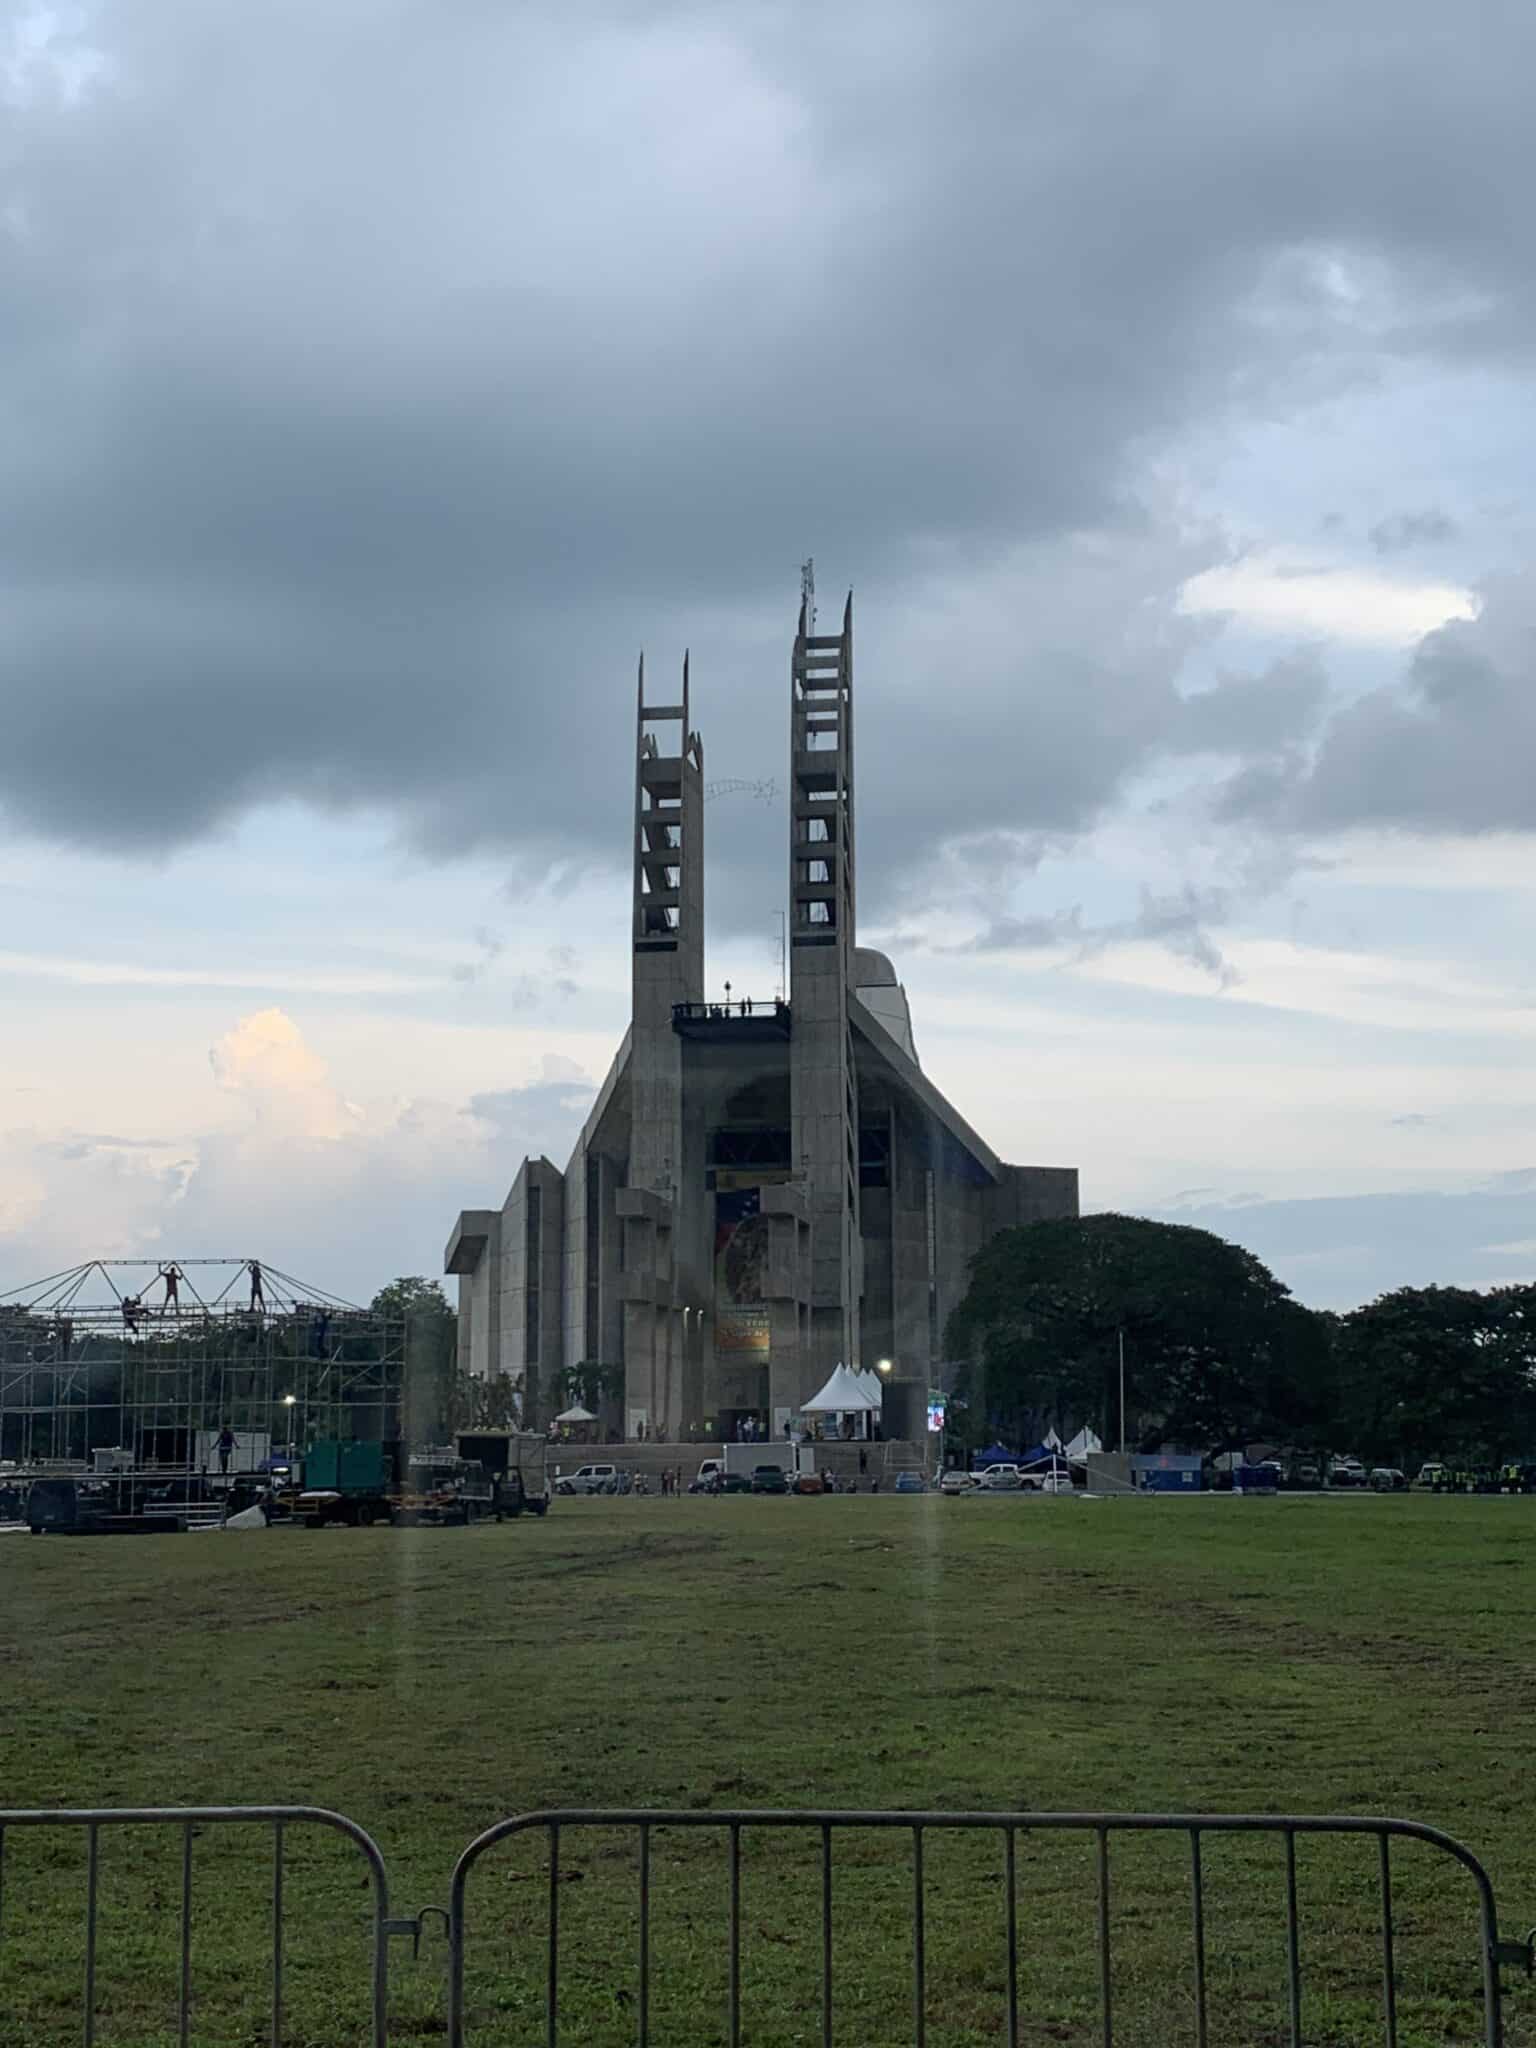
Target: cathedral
pixel 762 1191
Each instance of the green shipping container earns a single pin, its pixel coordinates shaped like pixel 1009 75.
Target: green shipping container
pixel 347 1466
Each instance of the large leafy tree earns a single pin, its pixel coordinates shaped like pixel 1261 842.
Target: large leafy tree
pixel 432 1398
pixel 1216 1351
pixel 412 1295
pixel 1441 1372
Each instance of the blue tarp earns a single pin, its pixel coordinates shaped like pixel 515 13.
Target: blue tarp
pixel 1041 1454
pixel 994 1454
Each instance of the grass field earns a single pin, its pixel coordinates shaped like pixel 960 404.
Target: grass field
pixel 1365 1655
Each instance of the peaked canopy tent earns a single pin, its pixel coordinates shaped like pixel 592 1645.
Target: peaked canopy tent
pixel 994 1454
pixel 842 1395
pixel 845 1394
pixel 1083 1445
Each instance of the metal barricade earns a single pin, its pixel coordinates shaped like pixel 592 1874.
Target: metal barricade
pixel 824 1826
pixel 92 1820
pixel 556 1824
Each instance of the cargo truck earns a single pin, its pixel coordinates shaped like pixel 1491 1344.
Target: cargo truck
pixel 516 1463
pixel 351 1482
pixel 793 1460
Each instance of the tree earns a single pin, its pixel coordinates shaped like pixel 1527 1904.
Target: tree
pixel 590 1382
pixel 412 1295
pixel 1441 1372
pixel 1216 1351
pixel 432 1398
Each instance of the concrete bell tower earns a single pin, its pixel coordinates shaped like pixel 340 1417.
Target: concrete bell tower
pixel 667 939
pixel 824 1124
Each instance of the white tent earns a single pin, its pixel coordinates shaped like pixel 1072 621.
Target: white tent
pixel 844 1394
pixel 872 1384
pixel 576 1414
pixel 1051 1440
pixel 1082 1444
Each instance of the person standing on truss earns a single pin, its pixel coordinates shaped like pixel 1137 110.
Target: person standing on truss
pixel 171 1275
pixel 258 1300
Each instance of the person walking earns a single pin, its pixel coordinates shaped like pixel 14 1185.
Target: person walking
pixel 224 1446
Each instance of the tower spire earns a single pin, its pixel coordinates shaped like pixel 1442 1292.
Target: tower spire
pixel 823 1082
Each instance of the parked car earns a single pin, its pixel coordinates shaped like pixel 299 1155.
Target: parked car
pixel 1387 1479
pixel 810 1482
pixel 589 1479
pixel 769 1479
pixel 911 1482
pixel 1432 1476
pixel 729 1482
pixel 1347 1472
pixel 954 1483
pixel 699 1483
pixel 1055 1482
pixel 1001 1479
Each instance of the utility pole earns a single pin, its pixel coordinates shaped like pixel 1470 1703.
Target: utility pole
pixel 1121 1335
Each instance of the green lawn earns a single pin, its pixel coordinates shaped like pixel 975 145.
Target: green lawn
pixel 1365 1655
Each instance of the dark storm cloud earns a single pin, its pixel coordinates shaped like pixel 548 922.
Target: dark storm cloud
pixel 1179 921
pixel 1446 750
pixel 375 378
pixel 1249 715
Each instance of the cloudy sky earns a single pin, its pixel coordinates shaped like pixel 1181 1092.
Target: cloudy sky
pixel 376 378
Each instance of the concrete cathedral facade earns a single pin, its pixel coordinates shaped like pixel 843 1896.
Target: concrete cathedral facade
pixel 761 1190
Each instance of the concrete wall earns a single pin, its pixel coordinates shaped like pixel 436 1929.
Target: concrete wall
pixel 532 1277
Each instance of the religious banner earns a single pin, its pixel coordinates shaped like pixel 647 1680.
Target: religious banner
pixel 741 1266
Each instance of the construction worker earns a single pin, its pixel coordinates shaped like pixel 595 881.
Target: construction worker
pixel 171 1275
pixel 258 1300
pixel 224 1446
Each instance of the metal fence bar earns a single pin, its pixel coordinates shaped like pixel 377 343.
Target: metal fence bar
pixel 92 1875
pixel 919 1943
pixel 1010 1884
pixel 1108 2027
pixel 277 1934
pixel 826 1937
pixel 645 1937
pixel 1292 1938
pixel 1388 1962
pixel 552 1989
pixel 734 2014
pixel 1197 1894
pixel 184 2016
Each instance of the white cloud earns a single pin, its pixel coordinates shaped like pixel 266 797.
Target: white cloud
pixel 1274 593
pixel 322 1186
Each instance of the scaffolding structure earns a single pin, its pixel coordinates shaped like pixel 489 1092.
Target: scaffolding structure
pixel 156 1358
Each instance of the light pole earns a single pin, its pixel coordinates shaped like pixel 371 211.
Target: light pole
pixel 1120 1334
pixel 288 1403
